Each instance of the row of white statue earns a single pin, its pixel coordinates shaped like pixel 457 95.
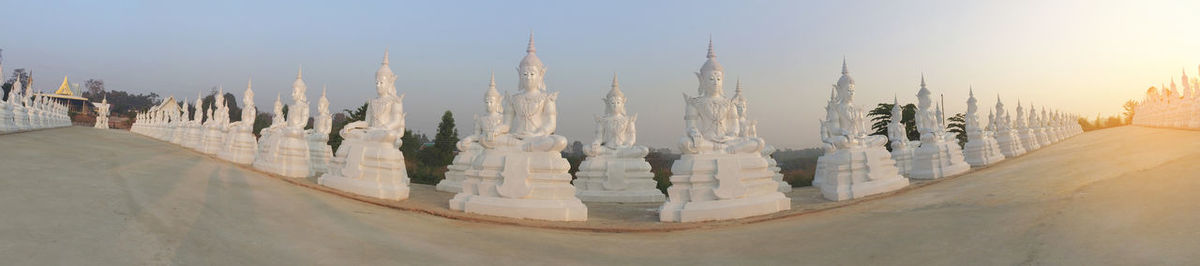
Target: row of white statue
pixel 1167 107
pixel 856 164
pixel 21 112
pixel 511 164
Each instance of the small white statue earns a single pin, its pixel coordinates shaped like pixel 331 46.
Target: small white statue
pixel 520 173
pixel 615 169
pixel 369 161
pixel 855 164
pixel 722 173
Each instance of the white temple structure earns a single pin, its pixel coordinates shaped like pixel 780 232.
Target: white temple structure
pixel 855 164
pixel 939 154
pixel 981 149
pixel 615 169
pixel 369 161
pixel 286 152
pixel 521 173
pixel 241 145
pixel 722 173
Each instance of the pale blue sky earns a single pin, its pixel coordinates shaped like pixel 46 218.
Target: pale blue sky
pixel 1080 56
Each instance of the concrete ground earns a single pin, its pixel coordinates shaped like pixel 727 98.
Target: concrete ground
pixel 81 196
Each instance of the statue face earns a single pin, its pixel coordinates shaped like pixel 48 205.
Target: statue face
pixel 616 106
pixel 493 105
pixel 712 83
pixel 531 78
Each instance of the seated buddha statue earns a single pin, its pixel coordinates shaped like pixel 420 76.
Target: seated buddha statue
pixel 711 120
pixel 616 132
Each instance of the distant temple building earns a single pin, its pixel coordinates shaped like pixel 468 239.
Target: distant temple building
pixel 65 96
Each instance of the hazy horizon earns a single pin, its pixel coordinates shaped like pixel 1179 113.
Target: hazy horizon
pixel 1084 57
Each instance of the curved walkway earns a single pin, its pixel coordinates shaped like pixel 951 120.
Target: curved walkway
pixel 85 196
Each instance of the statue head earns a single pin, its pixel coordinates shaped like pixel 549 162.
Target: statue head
pixel 385 80
pixel 492 99
pixel 278 105
pixel 323 103
pixel 614 102
pixel 711 74
pixel 923 99
pixel 248 95
pixel 971 107
pixel 298 87
pixel 531 71
pixel 845 86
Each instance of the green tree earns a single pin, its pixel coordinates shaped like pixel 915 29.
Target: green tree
pixel 442 152
pixel 881 116
pixel 358 114
pixel 410 143
pixel 958 124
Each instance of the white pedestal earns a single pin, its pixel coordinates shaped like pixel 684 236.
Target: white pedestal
pixel 319 153
pixel 1010 143
pixel 707 187
pixel 372 169
pixel 857 172
pixel 610 179
pixel 982 151
pixel 242 147
pixel 287 156
pixel 456 172
pixel 937 158
pixel 519 184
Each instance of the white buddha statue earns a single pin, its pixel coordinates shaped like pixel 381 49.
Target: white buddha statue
pixel 241 145
pixel 1029 139
pixel 194 136
pixel 18 101
pixel 902 147
pixel 521 173
pixel 981 148
pixel 749 129
pixel 369 161
pixel 939 154
pixel 615 169
pixel 722 173
pixel 318 137
pixel 1007 138
pixel 287 152
pixel 855 164
pixel 102 114
pixel 8 111
pixel 469 147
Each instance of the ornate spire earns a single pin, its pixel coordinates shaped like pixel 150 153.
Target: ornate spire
pixel 738 89
pixel 615 93
pixel 300 72
pixel 711 65
pixel 531 49
pixel 845 70
pixel 491 92
pixel 531 60
pixel 711 53
pixel 385 56
pixel 924 91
